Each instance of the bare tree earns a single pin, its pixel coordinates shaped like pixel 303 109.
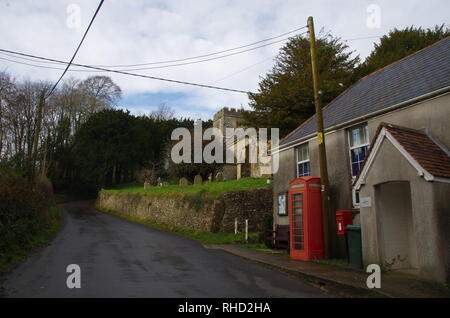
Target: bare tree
pixel 163 112
pixel 6 89
pixel 33 130
pixel 100 92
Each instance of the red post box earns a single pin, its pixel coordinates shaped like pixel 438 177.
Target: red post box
pixel 306 228
pixel 343 218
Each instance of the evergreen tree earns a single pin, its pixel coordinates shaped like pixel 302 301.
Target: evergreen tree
pixel 398 44
pixel 285 96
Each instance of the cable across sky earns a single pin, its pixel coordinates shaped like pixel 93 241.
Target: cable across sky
pixel 76 51
pixel 188 58
pixel 126 73
pixel 97 68
pixel 162 66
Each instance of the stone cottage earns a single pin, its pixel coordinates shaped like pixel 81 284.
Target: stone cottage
pixel 399 197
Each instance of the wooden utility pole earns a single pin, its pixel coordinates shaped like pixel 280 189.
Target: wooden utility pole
pixel 321 142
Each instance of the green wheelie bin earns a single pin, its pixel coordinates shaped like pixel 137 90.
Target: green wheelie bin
pixel 354 245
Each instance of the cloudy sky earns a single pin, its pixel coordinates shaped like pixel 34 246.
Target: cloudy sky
pixel 137 31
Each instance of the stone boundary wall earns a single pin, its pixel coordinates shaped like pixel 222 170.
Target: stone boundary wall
pixel 197 212
pixel 251 204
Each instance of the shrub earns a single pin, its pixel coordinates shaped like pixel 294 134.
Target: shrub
pixel 267 226
pixel 14 188
pixel 26 216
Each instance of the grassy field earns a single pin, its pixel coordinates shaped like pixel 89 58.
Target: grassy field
pixel 201 236
pixel 213 189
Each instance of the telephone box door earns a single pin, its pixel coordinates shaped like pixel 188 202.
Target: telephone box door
pixel 298 241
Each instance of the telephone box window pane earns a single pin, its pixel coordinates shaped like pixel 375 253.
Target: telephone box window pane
pixel 297 197
pixel 298 204
pixel 298 232
pixel 298 225
pixel 298 211
pixel 298 239
pixel 298 246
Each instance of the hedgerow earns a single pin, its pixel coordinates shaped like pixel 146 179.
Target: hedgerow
pixel 27 216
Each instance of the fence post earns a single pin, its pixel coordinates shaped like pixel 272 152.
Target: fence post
pixel 246 230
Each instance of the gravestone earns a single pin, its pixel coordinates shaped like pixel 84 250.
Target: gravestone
pixel 219 177
pixel 147 185
pixel 165 184
pixel 210 177
pixel 184 183
pixel 198 180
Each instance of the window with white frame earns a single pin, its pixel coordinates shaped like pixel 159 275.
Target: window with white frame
pixel 303 166
pixel 359 145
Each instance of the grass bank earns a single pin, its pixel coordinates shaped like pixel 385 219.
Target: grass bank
pixel 20 236
pixel 211 189
pixel 204 237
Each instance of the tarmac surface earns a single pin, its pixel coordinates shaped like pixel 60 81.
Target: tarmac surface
pixel 118 258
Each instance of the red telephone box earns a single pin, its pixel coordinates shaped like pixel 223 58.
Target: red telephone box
pixel 306 230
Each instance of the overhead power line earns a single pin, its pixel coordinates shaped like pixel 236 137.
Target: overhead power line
pixel 212 58
pixel 78 47
pixel 243 70
pixel 93 68
pixel 193 57
pixel 165 66
pixel 29 64
pixel 209 54
pixel 126 73
pixel 364 38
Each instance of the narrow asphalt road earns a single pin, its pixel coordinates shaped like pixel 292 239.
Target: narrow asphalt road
pixel 123 259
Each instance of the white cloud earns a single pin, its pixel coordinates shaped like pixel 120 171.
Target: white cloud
pixel 138 31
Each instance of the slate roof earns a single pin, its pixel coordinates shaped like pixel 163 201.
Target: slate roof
pixel 423 72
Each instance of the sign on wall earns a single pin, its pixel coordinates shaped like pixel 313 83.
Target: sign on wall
pixel 365 202
pixel 282 204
